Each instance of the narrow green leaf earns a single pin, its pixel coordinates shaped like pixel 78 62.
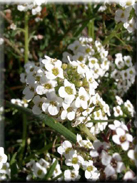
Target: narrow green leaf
pixel 49 121
pixel 79 30
pixel 51 170
pixel 60 175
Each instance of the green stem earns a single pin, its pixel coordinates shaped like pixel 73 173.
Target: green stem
pixel 91 29
pixel 26 37
pixel 101 121
pixel 24 135
pixel 87 132
pixel 26 49
pixel 112 34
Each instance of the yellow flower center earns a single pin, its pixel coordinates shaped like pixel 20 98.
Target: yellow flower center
pixel 69 90
pixel 123 138
pixel 48 86
pixel 55 71
pixel 80 58
pixel 89 168
pixel 68 150
pixel 39 172
pixel 75 160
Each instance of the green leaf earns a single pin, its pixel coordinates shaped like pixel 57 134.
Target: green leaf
pixel 51 170
pixel 49 121
pixel 79 30
pixel 13 166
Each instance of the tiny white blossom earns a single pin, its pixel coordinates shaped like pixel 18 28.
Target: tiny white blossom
pixel 122 138
pixel 3 157
pixel 71 175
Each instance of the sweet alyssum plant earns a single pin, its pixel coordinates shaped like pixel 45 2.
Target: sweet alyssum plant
pixel 68 91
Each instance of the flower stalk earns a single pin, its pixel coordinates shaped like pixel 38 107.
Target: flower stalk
pixel 84 129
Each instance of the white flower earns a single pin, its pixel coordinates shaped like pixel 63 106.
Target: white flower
pixel 36 10
pixel 67 91
pixel 39 2
pixel 129 176
pixel 39 171
pixel 81 67
pixel 13 26
pixel 118 124
pixel 5 170
pixel 119 100
pixel 48 86
pixel 54 70
pixel 122 15
pixel 82 99
pixel 29 92
pixel 93 62
pixel 129 25
pixel 52 104
pixel 69 112
pixel 119 62
pixel 74 160
pixel 57 170
pixel 65 149
pixel 79 57
pixel 129 107
pixel 125 74
pixel 113 163
pixel 37 104
pixel 122 138
pixel 75 47
pixel 117 111
pixel 91 172
pixel 71 175
pixel 98 147
pixel 132 154
pixel 65 57
pixel 128 60
pixel 21 8
pixel 126 3
pixel 84 143
pixel 3 157
pixel 44 163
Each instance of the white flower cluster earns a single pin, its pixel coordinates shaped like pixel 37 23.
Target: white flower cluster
pixel 89 53
pixel 77 160
pixel 123 14
pixel 22 103
pixel 123 108
pixel 35 8
pixel 65 91
pixel 39 169
pixel 123 73
pixel 94 159
pixel 4 166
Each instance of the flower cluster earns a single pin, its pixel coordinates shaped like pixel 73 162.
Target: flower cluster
pixel 23 102
pixel 35 7
pixel 91 53
pixel 66 91
pixel 127 14
pixel 123 108
pixel 4 166
pixel 123 72
pixel 77 160
pixel 39 169
pixel 94 159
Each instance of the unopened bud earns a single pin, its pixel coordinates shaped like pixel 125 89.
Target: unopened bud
pixel 78 84
pixel 64 66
